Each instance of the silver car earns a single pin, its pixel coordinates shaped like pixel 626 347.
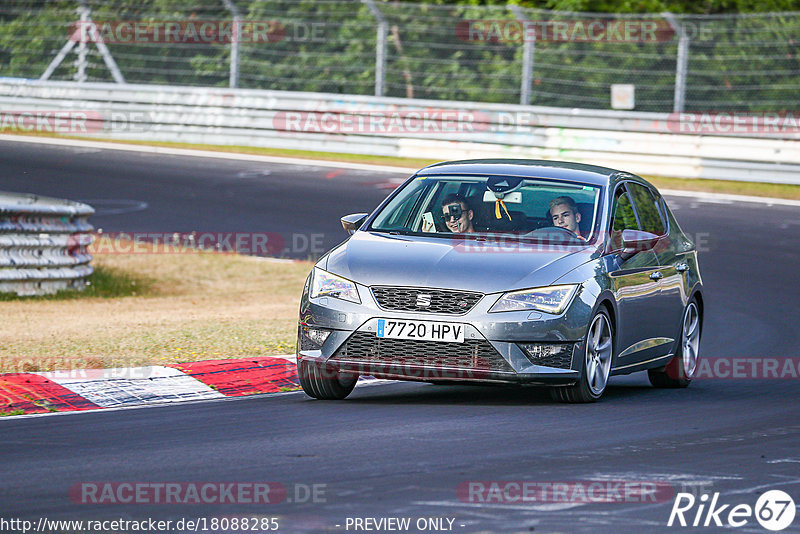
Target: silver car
pixel 506 271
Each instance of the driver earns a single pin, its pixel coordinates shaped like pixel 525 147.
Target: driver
pixel 565 214
pixel 457 214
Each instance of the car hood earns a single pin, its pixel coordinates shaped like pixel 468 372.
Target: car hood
pixel 420 261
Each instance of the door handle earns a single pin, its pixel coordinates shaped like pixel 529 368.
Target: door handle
pixel 682 267
pixel 656 276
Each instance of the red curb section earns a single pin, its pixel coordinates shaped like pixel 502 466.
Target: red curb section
pixel 36 394
pixel 234 378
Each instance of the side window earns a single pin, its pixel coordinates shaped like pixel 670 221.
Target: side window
pixel 624 218
pixel 646 207
pixel 400 217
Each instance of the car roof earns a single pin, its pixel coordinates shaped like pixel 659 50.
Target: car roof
pixel 531 168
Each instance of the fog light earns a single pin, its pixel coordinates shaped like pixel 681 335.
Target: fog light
pixel 549 355
pixel 312 338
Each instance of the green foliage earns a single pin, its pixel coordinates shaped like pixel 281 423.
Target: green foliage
pixel 735 63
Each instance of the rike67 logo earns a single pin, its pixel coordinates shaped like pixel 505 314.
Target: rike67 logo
pixel 774 510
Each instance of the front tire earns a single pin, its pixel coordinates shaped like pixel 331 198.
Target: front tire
pixel 596 364
pixel 322 382
pixel 679 371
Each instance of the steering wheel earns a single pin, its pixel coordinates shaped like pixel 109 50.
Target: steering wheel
pixel 549 230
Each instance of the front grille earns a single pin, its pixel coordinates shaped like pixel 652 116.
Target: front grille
pixel 415 299
pixel 473 354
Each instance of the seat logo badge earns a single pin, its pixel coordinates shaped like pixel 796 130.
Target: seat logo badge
pixel 423 300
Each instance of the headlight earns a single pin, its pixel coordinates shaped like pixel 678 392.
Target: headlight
pixel 326 284
pixel 553 299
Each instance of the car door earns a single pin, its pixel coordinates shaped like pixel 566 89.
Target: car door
pixel 674 254
pixel 668 305
pixel 635 285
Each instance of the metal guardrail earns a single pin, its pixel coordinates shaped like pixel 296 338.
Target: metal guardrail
pixel 43 244
pixel 645 143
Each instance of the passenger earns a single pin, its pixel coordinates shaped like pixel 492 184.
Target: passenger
pixel 565 214
pixel 457 214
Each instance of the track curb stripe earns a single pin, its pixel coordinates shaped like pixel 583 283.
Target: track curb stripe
pixel 91 389
pixel 234 378
pixel 34 393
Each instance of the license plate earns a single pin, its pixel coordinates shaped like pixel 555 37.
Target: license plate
pixel 422 330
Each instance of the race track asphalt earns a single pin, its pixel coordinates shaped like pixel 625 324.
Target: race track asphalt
pixel 403 449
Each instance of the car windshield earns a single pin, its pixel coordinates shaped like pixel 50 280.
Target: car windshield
pixel 530 208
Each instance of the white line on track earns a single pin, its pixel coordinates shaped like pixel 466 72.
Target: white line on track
pixel 203 153
pixel 711 197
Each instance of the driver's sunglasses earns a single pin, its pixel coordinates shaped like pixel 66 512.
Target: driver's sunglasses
pixel 453 211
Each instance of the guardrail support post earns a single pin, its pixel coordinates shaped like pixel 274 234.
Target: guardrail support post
pixel 380 47
pixel 529 47
pixel 237 30
pixel 83 50
pixel 681 63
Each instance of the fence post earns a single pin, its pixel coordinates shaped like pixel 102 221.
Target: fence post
pixel 235 39
pixel 83 50
pixel 380 47
pixel 681 63
pixel 529 46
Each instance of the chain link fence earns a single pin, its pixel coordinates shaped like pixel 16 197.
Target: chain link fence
pixel 501 54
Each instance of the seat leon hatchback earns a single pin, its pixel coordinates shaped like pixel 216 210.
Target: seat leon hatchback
pixel 507 272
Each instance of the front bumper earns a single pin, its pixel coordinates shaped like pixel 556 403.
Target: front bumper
pixel 491 351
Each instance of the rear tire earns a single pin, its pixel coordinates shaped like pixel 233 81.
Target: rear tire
pixel 596 363
pixel 679 371
pixel 323 382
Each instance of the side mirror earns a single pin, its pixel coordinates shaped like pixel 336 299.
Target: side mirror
pixel 353 222
pixel 634 241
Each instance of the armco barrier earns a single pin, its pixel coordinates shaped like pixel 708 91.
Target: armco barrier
pixel 43 244
pixel 645 143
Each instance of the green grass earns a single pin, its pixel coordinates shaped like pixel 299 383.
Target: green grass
pixel 12 412
pixel 144 309
pixel 730 187
pixel 104 282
